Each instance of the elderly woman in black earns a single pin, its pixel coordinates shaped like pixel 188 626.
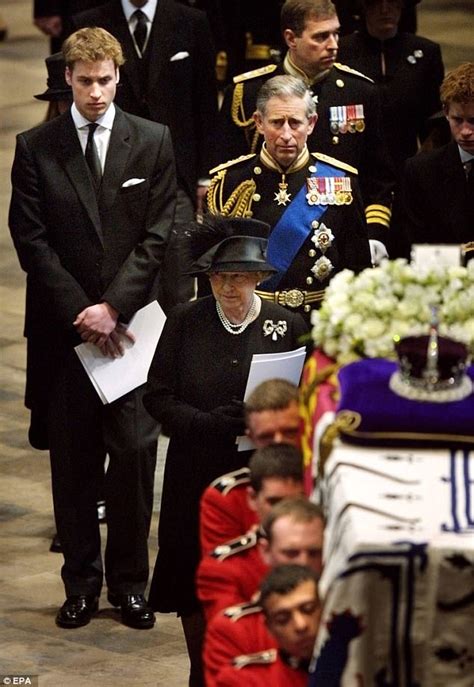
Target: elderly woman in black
pixel 195 388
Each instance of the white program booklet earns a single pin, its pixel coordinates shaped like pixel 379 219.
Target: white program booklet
pixel 115 377
pixel 287 365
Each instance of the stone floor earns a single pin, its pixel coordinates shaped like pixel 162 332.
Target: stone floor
pixel 105 652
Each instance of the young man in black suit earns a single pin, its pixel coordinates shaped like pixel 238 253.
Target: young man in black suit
pixel 168 77
pixel 438 186
pixel 93 202
pixel 171 79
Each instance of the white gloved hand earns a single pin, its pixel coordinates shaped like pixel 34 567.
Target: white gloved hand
pixel 378 252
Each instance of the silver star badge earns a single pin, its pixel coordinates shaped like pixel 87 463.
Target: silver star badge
pixel 323 238
pixel 322 268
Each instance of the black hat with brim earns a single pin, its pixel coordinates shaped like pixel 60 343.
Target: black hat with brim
pixel 237 245
pixel 58 89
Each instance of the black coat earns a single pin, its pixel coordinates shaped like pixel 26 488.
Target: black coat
pixel 197 367
pixel 74 255
pixel 409 89
pixel 176 86
pixel 435 205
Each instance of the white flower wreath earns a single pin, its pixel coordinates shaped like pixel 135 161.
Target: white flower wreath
pixel 363 315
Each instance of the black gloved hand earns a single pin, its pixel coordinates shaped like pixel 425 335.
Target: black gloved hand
pixel 234 409
pixel 225 421
pixel 231 417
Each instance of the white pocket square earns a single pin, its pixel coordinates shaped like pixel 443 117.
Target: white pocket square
pixel 179 56
pixel 132 182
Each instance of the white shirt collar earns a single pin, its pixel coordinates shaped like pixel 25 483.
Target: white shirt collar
pixel 148 9
pixel 106 120
pixel 465 157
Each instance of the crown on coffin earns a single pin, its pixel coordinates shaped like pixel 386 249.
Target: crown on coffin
pixel 432 368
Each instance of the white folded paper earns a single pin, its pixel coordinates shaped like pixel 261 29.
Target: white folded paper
pixel 114 377
pixel 287 365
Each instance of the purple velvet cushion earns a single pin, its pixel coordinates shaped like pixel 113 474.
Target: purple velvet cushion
pixel 387 419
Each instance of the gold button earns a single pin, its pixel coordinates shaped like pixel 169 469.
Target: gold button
pixel 309 280
pixel 312 169
pixel 312 253
pixel 340 83
pixel 315 224
pixel 335 140
pixel 257 170
pixel 307 308
pixel 256 197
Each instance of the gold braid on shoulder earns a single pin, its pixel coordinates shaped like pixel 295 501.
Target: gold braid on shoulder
pixel 238 204
pixel 237 109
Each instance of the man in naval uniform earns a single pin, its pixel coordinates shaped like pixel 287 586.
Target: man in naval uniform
pixel 349 124
pixel 311 201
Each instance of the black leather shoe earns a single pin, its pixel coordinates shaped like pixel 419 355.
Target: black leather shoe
pixel 55 546
pixel 135 610
pixel 77 611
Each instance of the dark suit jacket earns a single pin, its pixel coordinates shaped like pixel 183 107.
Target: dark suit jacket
pixel 180 90
pixel 434 200
pixel 74 254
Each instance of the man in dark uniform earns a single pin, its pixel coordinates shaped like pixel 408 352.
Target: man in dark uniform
pixel 292 611
pixel 274 473
pixel 231 574
pixel 349 124
pixel 407 69
pixel 311 201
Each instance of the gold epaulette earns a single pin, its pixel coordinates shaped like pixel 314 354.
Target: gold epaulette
pixel 235 613
pixel 354 72
pixel 227 482
pixel 336 163
pixel 233 546
pixel 229 163
pixel 254 73
pixel 261 658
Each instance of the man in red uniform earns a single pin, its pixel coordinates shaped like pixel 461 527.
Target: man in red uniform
pixel 292 611
pixel 238 501
pixel 272 417
pixel 231 574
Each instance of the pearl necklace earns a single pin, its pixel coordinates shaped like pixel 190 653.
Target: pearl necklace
pixel 238 328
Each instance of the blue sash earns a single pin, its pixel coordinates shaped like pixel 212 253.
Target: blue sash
pixel 293 228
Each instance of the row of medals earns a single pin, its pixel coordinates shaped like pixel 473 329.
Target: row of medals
pixel 345 119
pixel 321 191
pixel 329 191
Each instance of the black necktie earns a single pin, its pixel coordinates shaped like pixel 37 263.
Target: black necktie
pixel 92 156
pixel 140 30
pixel 469 167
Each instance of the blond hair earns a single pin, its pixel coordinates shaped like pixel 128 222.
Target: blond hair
pixel 92 45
